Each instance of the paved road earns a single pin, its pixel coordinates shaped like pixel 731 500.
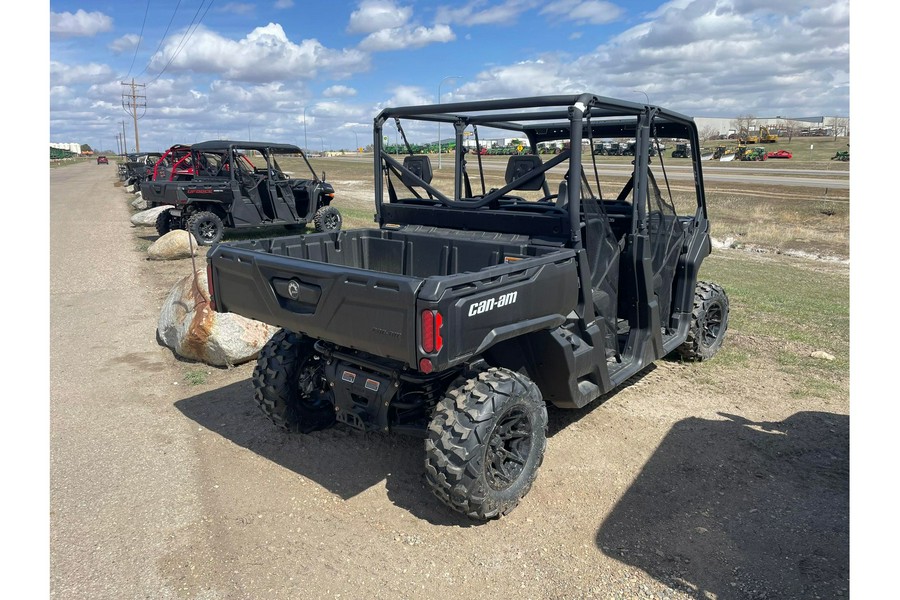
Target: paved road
pixel 754 174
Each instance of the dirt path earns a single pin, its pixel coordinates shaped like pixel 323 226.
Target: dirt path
pixel 677 487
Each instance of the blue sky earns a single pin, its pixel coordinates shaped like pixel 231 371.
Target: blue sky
pixel 250 68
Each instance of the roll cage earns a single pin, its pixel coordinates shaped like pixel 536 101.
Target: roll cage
pixel 234 159
pixel 569 118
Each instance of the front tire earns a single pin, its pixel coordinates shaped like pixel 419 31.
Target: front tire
pixel 289 386
pixel 163 223
pixel 709 321
pixel 207 227
pixel 485 443
pixel 328 218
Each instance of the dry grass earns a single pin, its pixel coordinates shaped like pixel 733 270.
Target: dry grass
pixel 779 218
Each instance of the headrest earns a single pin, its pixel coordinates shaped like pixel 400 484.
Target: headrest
pixel 521 165
pixel 418 164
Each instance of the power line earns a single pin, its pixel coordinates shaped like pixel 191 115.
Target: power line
pixel 186 37
pixel 163 39
pixel 141 37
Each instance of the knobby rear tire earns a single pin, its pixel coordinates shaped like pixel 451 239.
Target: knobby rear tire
pixel 287 385
pixel 485 443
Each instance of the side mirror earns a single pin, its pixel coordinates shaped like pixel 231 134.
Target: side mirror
pixel 323 175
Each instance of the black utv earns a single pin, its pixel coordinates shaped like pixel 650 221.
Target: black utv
pixel 138 167
pixel 241 185
pixel 482 298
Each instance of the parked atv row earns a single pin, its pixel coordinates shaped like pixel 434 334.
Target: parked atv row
pixel 216 185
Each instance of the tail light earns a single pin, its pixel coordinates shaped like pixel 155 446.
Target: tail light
pixel 209 286
pixel 431 331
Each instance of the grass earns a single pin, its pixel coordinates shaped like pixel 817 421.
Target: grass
pixel 196 377
pixel 784 310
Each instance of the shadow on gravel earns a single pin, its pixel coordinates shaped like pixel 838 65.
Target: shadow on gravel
pixel 741 509
pixel 343 461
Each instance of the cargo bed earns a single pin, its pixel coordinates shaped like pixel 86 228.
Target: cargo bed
pixel 364 289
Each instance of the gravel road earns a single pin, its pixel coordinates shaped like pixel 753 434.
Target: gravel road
pixel 685 484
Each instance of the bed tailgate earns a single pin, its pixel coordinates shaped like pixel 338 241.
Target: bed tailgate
pixel 351 307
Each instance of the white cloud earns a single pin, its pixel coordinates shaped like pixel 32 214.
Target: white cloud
pixel 526 78
pixel 338 91
pixel 282 4
pixel 127 42
pixel 407 95
pixel 594 12
pixel 265 54
pixel 81 23
pixel 478 13
pixel 376 15
pixel 236 8
pixel 401 38
pixel 705 58
pixel 63 74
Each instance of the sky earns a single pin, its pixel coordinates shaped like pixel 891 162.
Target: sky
pixel 316 73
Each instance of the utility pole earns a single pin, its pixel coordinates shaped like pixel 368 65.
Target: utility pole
pixel 124 140
pixel 133 103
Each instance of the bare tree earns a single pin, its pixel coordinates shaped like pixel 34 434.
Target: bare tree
pixel 742 125
pixel 840 126
pixel 709 132
pixel 790 128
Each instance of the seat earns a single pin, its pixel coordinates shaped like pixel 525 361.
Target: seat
pixel 519 166
pixel 562 198
pixel 418 164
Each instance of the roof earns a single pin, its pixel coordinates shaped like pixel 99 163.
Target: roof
pixel 547 117
pixel 222 145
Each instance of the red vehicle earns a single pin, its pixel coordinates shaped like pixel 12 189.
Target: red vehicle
pixel 779 154
pixel 102 160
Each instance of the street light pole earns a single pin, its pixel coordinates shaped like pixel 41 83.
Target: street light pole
pixel 439 123
pixel 305 143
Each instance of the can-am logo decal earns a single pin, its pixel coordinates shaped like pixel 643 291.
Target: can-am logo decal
pixel 484 306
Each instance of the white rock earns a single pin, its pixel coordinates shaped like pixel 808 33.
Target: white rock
pixel 176 244
pixel 822 354
pixel 194 331
pixel 139 203
pixel 147 218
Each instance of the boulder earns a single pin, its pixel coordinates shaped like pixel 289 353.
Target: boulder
pixel 130 189
pixel 822 355
pixel 147 218
pixel 176 244
pixel 139 203
pixel 194 331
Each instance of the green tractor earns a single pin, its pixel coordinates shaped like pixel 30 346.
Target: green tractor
pixel 841 155
pixel 681 151
pixel 757 153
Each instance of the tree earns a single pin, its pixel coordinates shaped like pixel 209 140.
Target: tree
pixel 709 133
pixel 85 148
pixel 790 127
pixel 840 126
pixel 742 125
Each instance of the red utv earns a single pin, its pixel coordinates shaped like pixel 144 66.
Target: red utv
pixel 176 164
